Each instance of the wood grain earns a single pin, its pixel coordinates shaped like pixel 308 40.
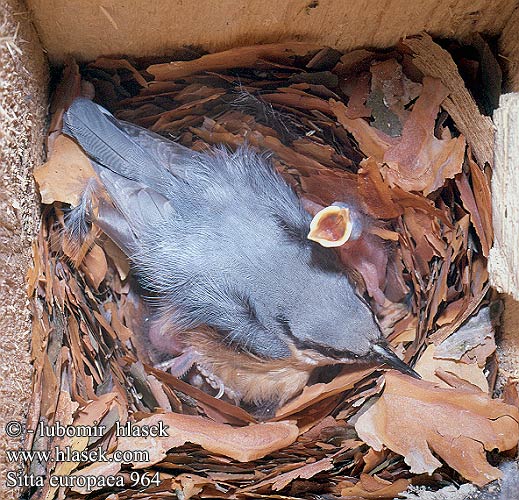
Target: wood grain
pixel 504 256
pixel 87 29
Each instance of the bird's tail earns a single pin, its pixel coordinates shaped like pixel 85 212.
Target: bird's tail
pixel 77 233
pixel 99 134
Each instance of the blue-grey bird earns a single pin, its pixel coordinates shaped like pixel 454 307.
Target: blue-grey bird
pixel 220 240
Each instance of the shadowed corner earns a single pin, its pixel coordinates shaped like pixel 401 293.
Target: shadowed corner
pixel 385 355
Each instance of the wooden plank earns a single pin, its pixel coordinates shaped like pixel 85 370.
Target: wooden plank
pixel 504 256
pixel 509 52
pixel 88 28
pixel 23 113
pixel 508 347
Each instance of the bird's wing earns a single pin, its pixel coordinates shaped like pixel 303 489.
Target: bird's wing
pixel 173 156
pixel 130 172
pixel 125 149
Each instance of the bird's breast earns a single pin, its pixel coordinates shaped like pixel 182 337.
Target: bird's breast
pixel 255 381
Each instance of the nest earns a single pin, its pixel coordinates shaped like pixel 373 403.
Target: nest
pixel 396 132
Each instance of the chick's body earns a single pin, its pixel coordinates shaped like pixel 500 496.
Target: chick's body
pixel 220 239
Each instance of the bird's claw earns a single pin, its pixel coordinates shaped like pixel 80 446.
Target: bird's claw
pixel 179 365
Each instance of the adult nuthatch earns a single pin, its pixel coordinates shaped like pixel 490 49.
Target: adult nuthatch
pixel 221 240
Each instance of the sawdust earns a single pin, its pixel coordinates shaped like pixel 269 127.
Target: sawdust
pixel 23 82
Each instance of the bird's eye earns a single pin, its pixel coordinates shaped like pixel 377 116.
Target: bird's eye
pixel 283 322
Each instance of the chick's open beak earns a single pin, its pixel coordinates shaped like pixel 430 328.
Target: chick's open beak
pixel 387 356
pixel 331 227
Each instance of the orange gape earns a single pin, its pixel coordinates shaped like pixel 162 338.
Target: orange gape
pixel 331 227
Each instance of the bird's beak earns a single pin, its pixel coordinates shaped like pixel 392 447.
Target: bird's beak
pixel 331 227
pixel 387 356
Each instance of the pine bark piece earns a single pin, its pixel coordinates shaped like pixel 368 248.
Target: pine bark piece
pixel 374 487
pixel 240 443
pixel 415 418
pixel 281 481
pixel 434 61
pixel 238 57
pixel 420 161
pixel 317 392
pixel 65 174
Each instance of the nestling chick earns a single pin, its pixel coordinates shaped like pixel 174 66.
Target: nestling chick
pixel 221 240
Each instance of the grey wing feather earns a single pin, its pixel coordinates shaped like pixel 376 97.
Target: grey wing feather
pixel 114 224
pixel 132 165
pixel 100 135
pixel 174 157
pixel 136 208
